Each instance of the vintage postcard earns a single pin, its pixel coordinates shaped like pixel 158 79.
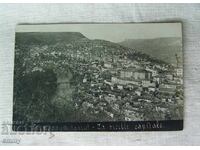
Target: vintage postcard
pixel 98 77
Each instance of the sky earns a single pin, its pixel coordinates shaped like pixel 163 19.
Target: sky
pixel 111 32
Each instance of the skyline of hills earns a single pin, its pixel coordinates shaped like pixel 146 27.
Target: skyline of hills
pixel 160 48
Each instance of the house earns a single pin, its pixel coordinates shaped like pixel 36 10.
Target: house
pixel 109 113
pixel 116 80
pixel 131 86
pixel 142 74
pixel 127 119
pixel 157 79
pixel 153 71
pixel 116 107
pixel 165 85
pixel 120 87
pixel 130 115
pixel 84 80
pixel 148 83
pixel 178 80
pixel 87 105
pixel 167 90
pixel 152 89
pixel 110 98
pixel 138 92
pixel 126 73
pixel 139 75
pixel 144 100
pixel 179 71
pixel 107 82
pixel 169 76
pixel 107 65
pixel 161 109
pixel 134 64
pixel 94 64
pixel 113 71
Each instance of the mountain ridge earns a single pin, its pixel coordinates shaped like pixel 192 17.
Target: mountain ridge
pixel 47 37
pixel 160 48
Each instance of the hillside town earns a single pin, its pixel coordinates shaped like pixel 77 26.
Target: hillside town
pixel 117 88
pixel 107 82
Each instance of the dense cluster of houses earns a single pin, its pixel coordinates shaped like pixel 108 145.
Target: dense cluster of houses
pixel 133 90
pixel 115 87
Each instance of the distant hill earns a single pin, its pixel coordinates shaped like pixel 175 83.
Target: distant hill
pixel 159 48
pixel 48 38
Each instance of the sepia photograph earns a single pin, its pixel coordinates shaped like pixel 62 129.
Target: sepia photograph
pixel 99 77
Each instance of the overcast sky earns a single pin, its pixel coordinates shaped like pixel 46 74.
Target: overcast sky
pixel 111 32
